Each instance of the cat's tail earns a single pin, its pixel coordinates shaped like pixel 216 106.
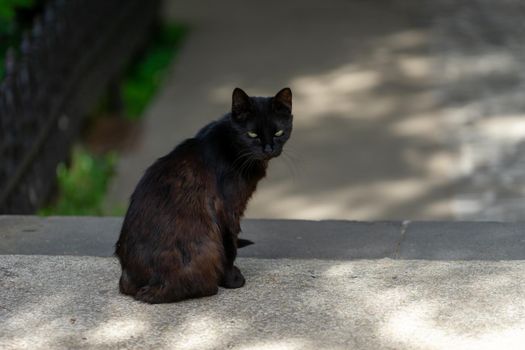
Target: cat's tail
pixel 241 243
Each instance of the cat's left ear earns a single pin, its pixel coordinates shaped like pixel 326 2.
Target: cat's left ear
pixel 283 99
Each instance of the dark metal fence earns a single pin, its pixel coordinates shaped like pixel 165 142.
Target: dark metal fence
pixel 73 52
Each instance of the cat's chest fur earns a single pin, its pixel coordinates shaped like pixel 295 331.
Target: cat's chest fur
pixel 236 188
pixel 236 174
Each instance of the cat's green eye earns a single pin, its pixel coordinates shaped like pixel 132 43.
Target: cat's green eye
pixel 279 133
pixel 252 134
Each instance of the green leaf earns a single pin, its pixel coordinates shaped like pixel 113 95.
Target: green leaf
pixel 82 186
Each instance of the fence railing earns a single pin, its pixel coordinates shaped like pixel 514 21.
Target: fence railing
pixel 72 53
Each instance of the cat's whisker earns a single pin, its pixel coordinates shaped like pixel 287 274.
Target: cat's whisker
pixel 251 161
pixel 239 162
pixel 241 168
pixel 290 165
pixel 246 163
pixel 242 157
pixel 248 166
pixel 291 152
pixel 297 163
pixel 297 160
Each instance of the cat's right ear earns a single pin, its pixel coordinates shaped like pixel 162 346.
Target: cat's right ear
pixel 240 104
pixel 283 100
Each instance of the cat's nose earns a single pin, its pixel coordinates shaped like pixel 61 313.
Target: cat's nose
pixel 268 149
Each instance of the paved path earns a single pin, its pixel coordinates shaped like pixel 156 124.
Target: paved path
pixel 480 51
pixel 367 143
pixel 60 302
pixel 403 109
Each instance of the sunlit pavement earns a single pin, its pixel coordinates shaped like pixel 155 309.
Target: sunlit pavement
pixel 480 46
pixel 368 141
pixel 61 302
pixel 402 108
pixel 310 285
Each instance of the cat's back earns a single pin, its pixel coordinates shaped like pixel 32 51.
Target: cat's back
pixel 181 175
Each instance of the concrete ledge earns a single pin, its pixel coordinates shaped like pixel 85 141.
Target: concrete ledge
pixel 297 239
pixel 301 239
pixel 310 285
pixel 58 235
pixel 68 302
pixel 464 241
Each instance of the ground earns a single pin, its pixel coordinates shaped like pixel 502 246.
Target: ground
pixel 403 109
pixel 310 285
pixel 286 304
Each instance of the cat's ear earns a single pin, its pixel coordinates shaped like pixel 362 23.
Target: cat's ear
pixel 283 99
pixel 240 103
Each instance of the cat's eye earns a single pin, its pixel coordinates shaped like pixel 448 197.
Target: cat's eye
pixel 279 133
pixel 252 134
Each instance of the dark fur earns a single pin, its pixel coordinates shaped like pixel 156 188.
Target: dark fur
pixel 179 236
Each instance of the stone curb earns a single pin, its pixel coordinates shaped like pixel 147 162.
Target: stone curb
pixel 296 239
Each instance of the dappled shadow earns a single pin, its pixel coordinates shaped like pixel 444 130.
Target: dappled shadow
pixel 480 51
pixel 403 109
pixel 359 304
pixel 367 140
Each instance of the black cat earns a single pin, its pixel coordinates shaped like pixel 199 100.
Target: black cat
pixel 179 236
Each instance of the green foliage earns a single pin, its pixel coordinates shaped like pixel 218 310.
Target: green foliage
pixel 83 185
pixel 145 76
pixel 8 11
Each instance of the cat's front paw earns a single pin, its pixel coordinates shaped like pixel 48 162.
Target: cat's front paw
pixel 233 278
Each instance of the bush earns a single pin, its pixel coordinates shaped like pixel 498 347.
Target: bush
pixel 82 186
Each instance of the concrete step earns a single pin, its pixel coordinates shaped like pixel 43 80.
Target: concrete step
pixel 298 239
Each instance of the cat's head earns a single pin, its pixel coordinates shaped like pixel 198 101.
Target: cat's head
pixel 262 124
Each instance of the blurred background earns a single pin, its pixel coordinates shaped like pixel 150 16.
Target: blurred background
pixel 403 109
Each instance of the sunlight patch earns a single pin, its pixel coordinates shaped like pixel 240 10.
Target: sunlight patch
pixel 198 333
pixel 289 344
pixel 118 330
pixel 414 327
